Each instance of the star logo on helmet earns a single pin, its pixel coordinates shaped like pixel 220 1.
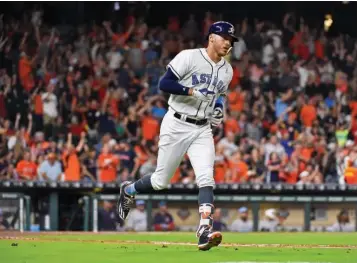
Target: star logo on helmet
pixel 231 30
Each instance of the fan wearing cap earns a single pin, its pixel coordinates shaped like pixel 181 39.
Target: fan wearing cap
pixel 270 223
pixel 242 223
pixel 137 220
pixel 197 81
pixel 163 220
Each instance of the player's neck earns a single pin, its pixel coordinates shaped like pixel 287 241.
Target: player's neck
pixel 213 55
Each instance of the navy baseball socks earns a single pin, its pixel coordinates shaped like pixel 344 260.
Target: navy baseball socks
pixel 128 190
pixel 207 238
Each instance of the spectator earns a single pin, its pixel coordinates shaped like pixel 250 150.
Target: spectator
pixel 163 220
pixel 273 146
pixel 218 224
pixel 107 165
pixel 239 169
pixel 137 220
pixel 70 159
pixel 274 167
pixel 107 217
pixel 27 168
pixel 50 169
pixel 242 223
pixel 270 223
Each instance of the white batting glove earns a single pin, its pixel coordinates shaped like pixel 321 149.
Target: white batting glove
pixel 217 116
pixel 203 94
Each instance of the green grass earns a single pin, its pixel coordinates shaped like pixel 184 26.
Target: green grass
pixel 69 248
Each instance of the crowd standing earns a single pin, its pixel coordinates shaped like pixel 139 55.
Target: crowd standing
pixel 85 105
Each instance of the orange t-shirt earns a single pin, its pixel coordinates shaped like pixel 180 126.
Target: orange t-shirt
pixel 353 107
pixel 235 101
pixel 308 115
pixel 25 74
pixel 150 128
pixel 72 166
pixel 319 49
pixel 107 164
pixel 341 81
pixel 116 38
pixel 239 170
pixel 27 169
pixel 292 177
pixel 141 155
pixel 231 125
pixel 114 107
pixel 220 172
pixel 38 105
pixel 350 173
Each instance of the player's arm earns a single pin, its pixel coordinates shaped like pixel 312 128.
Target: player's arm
pixel 177 69
pixel 220 102
pixel 169 84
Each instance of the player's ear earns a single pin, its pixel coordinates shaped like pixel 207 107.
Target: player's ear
pixel 211 38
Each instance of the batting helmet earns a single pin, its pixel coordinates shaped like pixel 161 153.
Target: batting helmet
pixel 223 28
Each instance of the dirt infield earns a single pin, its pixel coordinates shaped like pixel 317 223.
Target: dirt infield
pixel 33 237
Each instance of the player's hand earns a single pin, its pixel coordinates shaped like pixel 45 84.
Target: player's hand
pixel 203 94
pixel 217 116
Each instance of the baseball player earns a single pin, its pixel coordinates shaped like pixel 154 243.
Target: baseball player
pixel 197 80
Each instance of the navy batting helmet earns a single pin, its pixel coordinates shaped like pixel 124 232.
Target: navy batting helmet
pixel 223 28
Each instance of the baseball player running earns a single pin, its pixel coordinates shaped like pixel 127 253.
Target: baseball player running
pixel 197 80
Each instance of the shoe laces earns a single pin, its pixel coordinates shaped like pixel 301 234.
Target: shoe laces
pixel 128 202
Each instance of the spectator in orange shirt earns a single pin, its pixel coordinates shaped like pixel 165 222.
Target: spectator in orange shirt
pixel 308 114
pixel 236 99
pixel 150 127
pixel 107 164
pixel 27 168
pixel 231 124
pixel 220 166
pixel 25 72
pixel 119 39
pixel 238 169
pixel 72 167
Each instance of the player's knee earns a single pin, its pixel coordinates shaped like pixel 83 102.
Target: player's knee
pixel 205 179
pixel 159 183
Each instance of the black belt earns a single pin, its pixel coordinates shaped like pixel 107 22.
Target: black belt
pixel 190 120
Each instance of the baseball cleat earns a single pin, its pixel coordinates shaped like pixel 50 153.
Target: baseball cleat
pixel 125 202
pixel 209 239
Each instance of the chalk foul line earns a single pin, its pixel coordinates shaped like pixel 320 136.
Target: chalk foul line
pixel 132 242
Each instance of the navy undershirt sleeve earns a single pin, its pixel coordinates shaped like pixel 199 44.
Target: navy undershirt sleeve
pixel 219 102
pixel 169 84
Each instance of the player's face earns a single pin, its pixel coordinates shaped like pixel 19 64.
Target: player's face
pixel 221 44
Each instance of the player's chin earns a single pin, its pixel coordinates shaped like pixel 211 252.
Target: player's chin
pixel 223 53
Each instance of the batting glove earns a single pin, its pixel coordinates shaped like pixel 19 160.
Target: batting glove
pixel 217 116
pixel 203 94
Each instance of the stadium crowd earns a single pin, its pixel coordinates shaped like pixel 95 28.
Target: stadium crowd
pixel 86 105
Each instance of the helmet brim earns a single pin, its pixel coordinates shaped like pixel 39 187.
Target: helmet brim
pixel 235 38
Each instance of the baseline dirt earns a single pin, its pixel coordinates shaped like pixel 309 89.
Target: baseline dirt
pixel 27 237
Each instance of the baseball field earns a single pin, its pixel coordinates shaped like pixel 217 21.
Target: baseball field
pixel 64 247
